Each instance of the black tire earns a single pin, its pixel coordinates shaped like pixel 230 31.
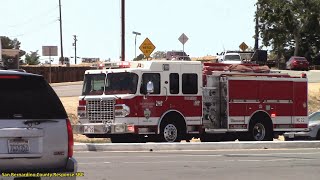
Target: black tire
pixel 260 131
pixel 170 132
pixel 318 135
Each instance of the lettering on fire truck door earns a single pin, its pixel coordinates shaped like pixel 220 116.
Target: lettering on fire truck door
pixel 151 104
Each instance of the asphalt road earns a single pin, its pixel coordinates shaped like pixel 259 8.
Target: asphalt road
pixel 68 90
pixel 234 164
pixel 313 76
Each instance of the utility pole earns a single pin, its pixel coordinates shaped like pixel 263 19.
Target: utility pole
pixel 61 44
pixel 75 48
pixel 123 30
pixel 256 37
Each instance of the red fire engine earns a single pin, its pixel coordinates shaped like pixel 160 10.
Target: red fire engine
pixel 169 101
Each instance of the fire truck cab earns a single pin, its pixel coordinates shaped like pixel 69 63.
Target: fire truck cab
pixel 169 101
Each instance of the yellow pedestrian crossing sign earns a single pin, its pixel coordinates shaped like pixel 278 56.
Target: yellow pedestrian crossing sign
pixel 147 47
pixel 243 46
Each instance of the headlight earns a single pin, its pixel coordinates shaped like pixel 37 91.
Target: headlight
pixel 121 110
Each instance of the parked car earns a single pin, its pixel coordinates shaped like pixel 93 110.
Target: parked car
pixel 177 55
pixel 35 132
pixel 271 63
pixel 312 134
pixel 230 58
pixel 297 63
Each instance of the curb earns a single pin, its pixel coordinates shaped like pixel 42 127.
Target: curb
pixel 197 146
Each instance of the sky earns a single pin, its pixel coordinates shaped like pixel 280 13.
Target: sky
pixel 210 25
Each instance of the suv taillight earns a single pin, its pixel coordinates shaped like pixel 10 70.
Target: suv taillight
pixel 70 138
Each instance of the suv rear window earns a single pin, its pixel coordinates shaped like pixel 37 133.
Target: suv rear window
pixel 29 97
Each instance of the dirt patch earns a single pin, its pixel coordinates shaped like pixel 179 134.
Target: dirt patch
pixel 71 103
pixel 313 97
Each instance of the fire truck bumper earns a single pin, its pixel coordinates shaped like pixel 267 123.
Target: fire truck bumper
pixel 101 128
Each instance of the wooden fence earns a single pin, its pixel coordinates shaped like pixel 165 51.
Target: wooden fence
pixel 58 73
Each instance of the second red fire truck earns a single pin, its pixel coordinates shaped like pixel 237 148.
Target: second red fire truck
pixel 169 101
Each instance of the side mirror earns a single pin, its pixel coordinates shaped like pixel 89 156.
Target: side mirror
pixel 150 87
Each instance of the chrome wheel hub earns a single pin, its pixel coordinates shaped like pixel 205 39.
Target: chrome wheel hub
pixel 170 133
pixel 259 132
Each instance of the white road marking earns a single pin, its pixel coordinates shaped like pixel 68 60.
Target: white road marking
pixel 94 163
pixel 268 154
pixel 249 160
pixel 160 156
pixel 184 161
pixel 275 160
pixel 157 162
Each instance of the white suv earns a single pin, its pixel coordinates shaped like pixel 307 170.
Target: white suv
pixel 35 132
pixel 231 58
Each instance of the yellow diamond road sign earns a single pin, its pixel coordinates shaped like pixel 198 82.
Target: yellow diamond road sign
pixel 243 46
pixel 147 47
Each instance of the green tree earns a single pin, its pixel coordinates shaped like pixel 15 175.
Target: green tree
pixel 271 25
pixel 159 55
pixel 139 58
pixel 7 43
pixel 290 27
pixel 32 58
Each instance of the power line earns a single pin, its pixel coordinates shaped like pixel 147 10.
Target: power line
pixel 30 20
pixel 33 30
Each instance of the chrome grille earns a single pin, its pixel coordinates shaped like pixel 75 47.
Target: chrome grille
pixel 100 111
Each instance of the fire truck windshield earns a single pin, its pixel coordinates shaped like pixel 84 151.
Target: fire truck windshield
pixel 116 83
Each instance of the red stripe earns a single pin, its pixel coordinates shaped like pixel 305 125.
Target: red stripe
pixel 284 126
pixel 9 77
pixel 300 126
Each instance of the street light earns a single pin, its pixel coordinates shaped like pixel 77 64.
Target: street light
pixel 135 42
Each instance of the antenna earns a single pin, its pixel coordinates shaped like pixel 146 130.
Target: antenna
pixel 223 47
pixel 0 50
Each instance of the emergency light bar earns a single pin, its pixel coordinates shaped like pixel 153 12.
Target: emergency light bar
pixel 114 65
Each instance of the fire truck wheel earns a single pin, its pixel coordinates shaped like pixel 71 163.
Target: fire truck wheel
pixel 170 132
pixel 260 131
pixel 318 135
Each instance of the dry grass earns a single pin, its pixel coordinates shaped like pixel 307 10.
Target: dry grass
pixel 314 97
pixel 71 103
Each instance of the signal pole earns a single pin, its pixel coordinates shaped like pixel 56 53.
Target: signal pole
pixel 75 48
